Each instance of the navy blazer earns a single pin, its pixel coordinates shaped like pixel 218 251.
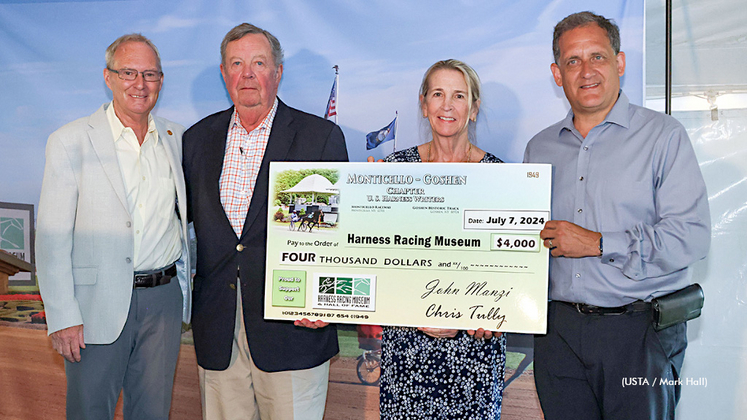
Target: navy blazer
pixel 274 345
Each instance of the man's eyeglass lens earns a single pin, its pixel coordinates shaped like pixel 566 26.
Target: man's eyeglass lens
pixel 129 74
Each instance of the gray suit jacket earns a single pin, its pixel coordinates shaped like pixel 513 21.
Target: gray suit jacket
pixel 84 235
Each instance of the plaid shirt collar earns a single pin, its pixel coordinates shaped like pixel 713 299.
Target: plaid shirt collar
pixel 266 124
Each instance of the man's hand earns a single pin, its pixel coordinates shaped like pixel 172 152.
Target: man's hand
pixel 566 239
pixel 438 332
pixel 481 333
pixel 310 324
pixel 68 342
pixel 371 159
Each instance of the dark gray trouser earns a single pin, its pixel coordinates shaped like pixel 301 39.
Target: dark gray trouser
pixel 141 362
pixel 591 367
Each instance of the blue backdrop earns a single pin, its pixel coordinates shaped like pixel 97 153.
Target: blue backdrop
pixel 52 61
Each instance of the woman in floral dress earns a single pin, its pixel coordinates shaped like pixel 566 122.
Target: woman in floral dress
pixel 433 373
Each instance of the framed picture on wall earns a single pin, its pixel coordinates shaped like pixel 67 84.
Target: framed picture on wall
pixel 17 238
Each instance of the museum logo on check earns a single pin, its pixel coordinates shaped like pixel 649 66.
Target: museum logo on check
pixel 344 292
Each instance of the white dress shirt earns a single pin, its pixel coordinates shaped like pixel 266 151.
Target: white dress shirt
pixel 151 194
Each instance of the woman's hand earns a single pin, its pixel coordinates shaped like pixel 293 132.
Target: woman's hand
pixel 371 159
pixel 438 332
pixel 310 324
pixel 449 333
pixel 481 333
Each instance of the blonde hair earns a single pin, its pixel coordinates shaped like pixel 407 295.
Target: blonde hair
pixel 470 77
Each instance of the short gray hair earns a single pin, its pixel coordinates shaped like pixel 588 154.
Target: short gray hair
pixel 109 56
pixel 582 19
pixel 244 29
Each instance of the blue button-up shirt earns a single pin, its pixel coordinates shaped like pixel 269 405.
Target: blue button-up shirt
pixel 635 179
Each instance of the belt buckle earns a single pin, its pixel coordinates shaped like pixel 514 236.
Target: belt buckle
pixel 148 280
pixel 143 281
pixel 584 309
pixel 157 278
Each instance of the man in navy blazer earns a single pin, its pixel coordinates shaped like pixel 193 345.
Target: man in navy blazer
pixel 250 367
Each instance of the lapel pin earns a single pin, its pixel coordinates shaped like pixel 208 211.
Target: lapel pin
pixel 169 132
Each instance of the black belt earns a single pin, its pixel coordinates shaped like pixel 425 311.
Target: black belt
pixel 153 278
pixel 582 308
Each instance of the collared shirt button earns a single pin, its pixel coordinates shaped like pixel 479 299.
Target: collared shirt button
pixel 140 205
pixel 612 260
pixel 578 275
pixel 137 232
pixel 128 260
pixel 129 224
pixel 580 210
pixel 239 247
pixel 581 178
pixel 586 147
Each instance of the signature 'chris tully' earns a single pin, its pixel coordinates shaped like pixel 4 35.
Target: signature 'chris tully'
pixel 475 311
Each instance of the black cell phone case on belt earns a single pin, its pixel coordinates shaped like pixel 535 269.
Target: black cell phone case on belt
pixel 680 306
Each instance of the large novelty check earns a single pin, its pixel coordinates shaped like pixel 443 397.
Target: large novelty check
pixel 446 245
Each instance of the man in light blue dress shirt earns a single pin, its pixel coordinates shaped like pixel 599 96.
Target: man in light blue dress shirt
pixel 631 215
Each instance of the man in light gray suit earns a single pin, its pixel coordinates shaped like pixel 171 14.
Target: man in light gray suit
pixel 111 244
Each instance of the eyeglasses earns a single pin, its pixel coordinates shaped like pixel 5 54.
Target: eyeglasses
pixel 130 74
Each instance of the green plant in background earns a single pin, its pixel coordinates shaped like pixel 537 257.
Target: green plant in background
pixel 287 179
